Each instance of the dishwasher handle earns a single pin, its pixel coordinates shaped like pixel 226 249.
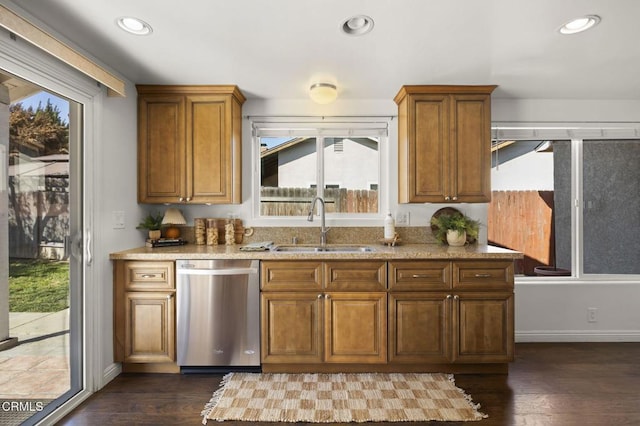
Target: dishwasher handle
pixel 224 271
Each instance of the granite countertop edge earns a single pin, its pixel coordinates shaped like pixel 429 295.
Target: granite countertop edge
pixel 407 251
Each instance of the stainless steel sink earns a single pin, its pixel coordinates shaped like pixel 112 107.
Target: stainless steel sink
pixel 322 249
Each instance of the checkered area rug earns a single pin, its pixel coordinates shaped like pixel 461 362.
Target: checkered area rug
pixel 345 397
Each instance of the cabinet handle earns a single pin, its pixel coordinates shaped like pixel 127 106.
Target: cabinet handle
pixel 188 199
pixel 148 275
pixel 456 297
pixel 420 276
pixel 448 297
pixel 169 296
pixel 454 198
pixel 181 199
pixel 483 275
pixel 447 198
pixel 327 296
pixel 319 296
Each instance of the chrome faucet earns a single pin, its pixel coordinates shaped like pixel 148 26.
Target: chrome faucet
pixel 323 228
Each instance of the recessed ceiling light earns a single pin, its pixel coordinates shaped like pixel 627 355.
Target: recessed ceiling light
pixel 134 25
pixel 357 25
pixel 579 24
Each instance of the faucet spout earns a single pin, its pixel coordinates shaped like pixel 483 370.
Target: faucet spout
pixel 323 228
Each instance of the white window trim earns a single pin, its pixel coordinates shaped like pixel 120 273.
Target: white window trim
pixel 322 126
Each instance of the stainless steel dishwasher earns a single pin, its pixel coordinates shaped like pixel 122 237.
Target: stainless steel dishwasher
pixel 218 321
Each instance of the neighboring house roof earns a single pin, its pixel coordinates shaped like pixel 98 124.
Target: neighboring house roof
pixel 282 146
pixel 48 165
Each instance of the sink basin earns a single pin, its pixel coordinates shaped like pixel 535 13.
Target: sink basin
pixel 322 249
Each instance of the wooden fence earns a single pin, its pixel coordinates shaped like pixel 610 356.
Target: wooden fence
pixel 523 221
pixel 296 201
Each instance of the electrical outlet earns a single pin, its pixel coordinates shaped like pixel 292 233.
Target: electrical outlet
pixel 402 218
pixel 592 314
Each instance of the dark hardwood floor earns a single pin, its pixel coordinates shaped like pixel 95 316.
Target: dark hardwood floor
pixel 548 384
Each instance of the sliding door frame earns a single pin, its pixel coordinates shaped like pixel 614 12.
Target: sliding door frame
pixel 23 60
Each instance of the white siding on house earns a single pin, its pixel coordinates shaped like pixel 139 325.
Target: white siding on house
pixel 355 167
pixel 518 167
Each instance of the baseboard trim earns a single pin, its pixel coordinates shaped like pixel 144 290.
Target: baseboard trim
pixel 574 336
pixel 110 373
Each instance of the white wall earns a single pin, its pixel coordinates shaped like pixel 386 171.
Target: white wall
pixel 116 189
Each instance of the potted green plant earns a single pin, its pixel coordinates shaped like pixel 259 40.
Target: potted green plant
pixel 455 228
pixel 152 222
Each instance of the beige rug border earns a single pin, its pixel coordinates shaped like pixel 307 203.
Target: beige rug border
pixel 219 393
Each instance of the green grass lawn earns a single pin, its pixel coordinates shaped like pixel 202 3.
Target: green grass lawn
pixel 37 285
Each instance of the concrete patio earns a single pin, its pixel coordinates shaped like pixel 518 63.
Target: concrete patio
pixel 38 367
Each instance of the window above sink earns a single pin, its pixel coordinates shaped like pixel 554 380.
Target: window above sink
pixel 340 161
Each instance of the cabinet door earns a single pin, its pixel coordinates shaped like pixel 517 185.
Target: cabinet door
pixel 470 149
pixel 483 327
pixel 428 149
pixel 291 327
pixel 161 149
pixel 356 327
pixel 209 149
pixel 149 327
pixel 419 327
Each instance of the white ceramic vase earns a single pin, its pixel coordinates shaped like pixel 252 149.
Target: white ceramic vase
pixel 455 238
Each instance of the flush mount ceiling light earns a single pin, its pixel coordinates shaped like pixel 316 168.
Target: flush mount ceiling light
pixel 134 25
pixel 357 25
pixel 323 93
pixel 578 25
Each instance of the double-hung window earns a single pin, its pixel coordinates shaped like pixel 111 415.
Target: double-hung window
pixel 339 160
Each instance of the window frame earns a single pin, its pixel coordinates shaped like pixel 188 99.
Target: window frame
pixel 319 128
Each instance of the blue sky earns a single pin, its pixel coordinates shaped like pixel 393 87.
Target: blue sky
pixel 41 97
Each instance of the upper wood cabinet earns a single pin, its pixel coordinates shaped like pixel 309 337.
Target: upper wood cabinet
pixel 189 144
pixel 444 144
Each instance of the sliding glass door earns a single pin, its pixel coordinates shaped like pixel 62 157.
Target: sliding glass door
pixel 42 256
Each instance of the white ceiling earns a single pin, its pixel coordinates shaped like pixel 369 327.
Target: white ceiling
pixel 277 48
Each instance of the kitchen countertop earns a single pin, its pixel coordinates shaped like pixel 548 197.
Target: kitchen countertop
pixel 405 251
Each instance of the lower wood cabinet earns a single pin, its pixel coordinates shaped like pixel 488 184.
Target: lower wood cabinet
pixel 442 328
pixel 340 315
pixel 144 316
pixel 471 322
pixel 304 323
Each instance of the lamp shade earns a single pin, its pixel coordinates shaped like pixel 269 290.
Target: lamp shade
pixel 323 93
pixel 173 217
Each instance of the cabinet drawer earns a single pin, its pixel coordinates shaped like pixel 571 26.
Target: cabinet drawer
pixel 356 275
pixel 290 275
pixel 479 275
pixel 143 276
pixel 419 275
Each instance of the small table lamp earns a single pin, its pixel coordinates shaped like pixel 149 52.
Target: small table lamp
pixel 173 217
